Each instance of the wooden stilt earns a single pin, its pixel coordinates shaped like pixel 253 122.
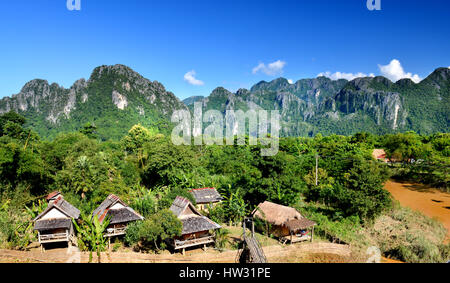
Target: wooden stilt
pixel 184 251
pixel 312 234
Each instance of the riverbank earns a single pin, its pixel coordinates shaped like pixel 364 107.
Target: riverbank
pixel 429 201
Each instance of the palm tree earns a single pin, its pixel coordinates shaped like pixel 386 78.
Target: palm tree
pixel 221 239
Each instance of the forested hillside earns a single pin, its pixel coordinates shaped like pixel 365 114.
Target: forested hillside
pixel 115 98
pixel 146 170
pixel 321 105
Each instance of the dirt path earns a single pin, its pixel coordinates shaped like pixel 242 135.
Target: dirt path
pixel 429 201
pixel 275 253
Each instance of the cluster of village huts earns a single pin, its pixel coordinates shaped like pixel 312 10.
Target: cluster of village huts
pixel 55 224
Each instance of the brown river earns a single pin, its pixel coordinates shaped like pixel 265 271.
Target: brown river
pixel 429 201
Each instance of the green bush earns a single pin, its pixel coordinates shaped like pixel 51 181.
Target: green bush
pixel 152 233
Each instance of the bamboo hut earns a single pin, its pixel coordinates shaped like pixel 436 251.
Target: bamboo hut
pixel 55 224
pixel 285 222
pixel 119 214
pixel 206 197
pixel 196 227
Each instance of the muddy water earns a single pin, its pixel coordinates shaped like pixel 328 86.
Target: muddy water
pixel 429 201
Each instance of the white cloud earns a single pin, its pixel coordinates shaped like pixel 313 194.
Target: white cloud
pixel 347 76
pixel 271 69
pixel 190 78
pixel 394 71
pixel 290 81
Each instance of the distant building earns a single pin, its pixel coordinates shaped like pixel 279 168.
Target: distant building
pixel 55 224
pixel 119 213
pixel 285 222
pixel 197 229
pixel 379 154
pixel 206 197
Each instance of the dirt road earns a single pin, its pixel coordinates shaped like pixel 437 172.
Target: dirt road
pixel 328 253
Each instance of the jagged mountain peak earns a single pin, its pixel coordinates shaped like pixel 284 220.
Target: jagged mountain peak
pixel 242 92
pixel 272 85
pixel 34 84
pixel 405 82
pixel 114 98
pixel 439 75
pixel 220 91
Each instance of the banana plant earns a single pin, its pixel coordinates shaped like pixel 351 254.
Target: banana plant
pixel 36 209
pixel 91 234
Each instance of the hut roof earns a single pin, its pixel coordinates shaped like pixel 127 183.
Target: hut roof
pixel 299 224
pixel 119 215
pixel 206 195
pixel 180 204
pixel 50 224
pixel 123 215
pixel 275 214
pixel 378 154
pixel 62 205
pixel 192 221
pixel 197 224
pixel 53 195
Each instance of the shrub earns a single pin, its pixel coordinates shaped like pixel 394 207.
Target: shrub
pixel 152 233
pixel 221 239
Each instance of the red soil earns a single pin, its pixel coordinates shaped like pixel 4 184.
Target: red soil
pixel 429 201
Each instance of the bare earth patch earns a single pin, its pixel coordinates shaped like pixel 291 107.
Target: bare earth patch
pixel 303 252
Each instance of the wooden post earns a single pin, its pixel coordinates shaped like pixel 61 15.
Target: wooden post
pixel 253 228
pixel 317 169
pixel 184 251
pixel 312 234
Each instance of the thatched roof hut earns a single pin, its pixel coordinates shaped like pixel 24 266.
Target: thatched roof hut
pixel 299 224
pixel 54 224
pixel 285 221
pixel 58 214
pixel 275 214
pixel 115 209
pixel 193 221
pixel 206 195
pixel 379 154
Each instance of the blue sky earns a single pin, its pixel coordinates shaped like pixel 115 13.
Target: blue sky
pixel 233 43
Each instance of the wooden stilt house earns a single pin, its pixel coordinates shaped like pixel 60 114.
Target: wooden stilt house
pixel 285 222
pixel 206 197
pixel 55 224
pixel 197 229
pixel 119 213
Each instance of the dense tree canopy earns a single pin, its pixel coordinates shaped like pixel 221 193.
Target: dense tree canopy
pixel 148 170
